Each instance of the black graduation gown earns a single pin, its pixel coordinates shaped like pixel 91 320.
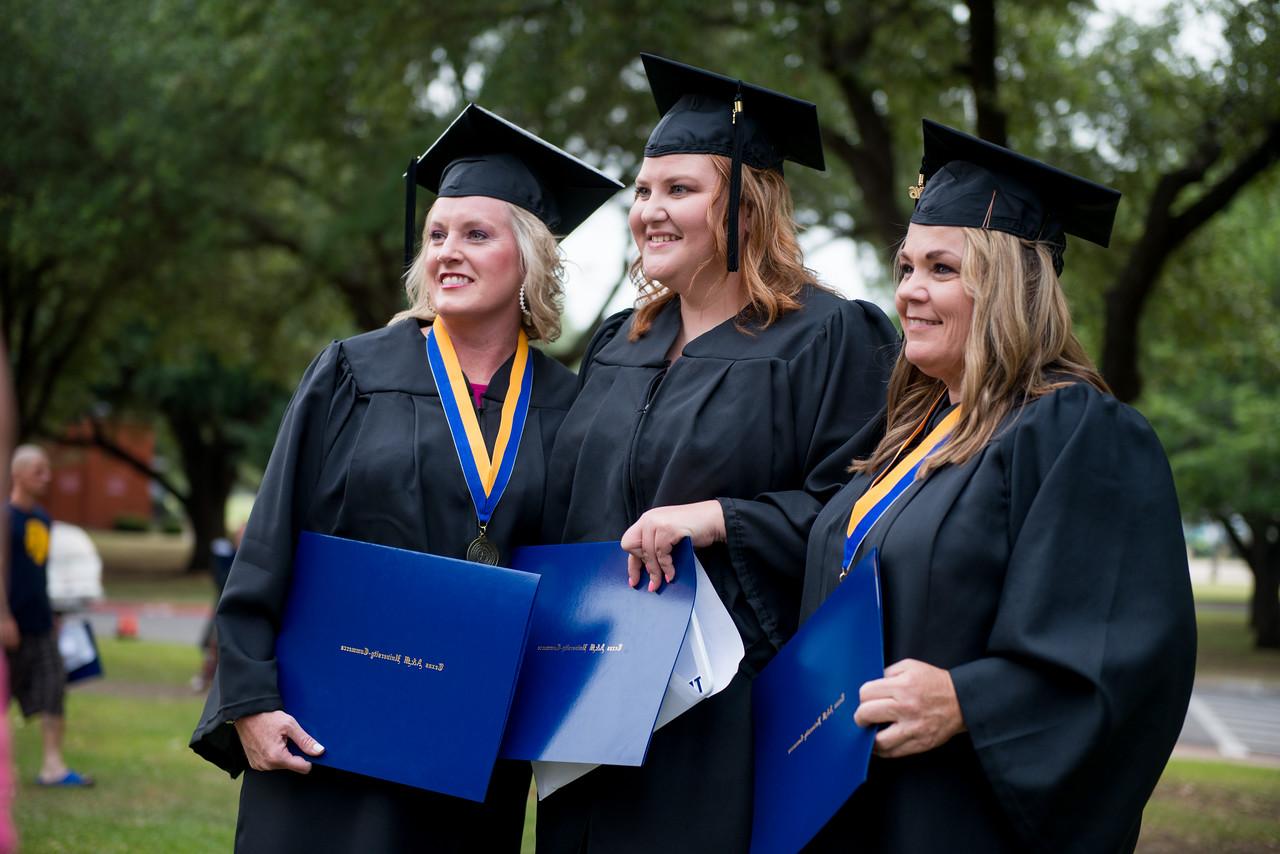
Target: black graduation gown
pixel 364 452
pixel 1049 575
pixel 759 420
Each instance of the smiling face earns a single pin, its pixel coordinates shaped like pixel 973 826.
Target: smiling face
pixel 472 260
pixel 933 302
pixel 674 195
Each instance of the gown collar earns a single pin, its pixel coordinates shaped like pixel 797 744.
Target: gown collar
pixel 721 341
pixel 650 351
pixel 395 359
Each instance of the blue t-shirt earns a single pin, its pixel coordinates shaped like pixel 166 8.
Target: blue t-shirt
pixel 28 570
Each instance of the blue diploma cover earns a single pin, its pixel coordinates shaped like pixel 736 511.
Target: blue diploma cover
pixel 599 655
pixel 403 665
pixel 809 754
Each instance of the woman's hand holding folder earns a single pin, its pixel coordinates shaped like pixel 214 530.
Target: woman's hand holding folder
pixel 266 738
pixel 650 540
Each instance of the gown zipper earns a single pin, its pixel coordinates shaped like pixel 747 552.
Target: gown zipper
pixel 633 493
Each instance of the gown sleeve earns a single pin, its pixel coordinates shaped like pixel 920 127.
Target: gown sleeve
pixel 837 385
pixel 249 612
pixel 1077 704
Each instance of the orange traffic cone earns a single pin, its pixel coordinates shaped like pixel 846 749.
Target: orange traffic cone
pixel 127 625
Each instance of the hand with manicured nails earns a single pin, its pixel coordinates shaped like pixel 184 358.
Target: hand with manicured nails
pixel 265 739
pixel 650 540
pixel 919 703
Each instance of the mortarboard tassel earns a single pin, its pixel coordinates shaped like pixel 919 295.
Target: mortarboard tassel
pixel 735 182
pixel 410 211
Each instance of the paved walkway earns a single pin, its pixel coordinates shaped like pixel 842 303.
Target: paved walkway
pixel 157 621
pixel 1235 720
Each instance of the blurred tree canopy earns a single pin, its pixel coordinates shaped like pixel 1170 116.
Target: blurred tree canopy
pixel 1217 386
pixel 225 176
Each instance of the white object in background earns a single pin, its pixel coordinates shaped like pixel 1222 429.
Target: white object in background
pixel 705 665
pixel 75 569
pixel 75 645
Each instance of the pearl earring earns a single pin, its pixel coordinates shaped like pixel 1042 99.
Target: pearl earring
pixel 524 308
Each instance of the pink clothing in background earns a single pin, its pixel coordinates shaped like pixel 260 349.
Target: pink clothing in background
pixel 477 393
pixel 8 833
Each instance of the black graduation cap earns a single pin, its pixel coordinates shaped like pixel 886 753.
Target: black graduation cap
pixel 483 154
pixel 967 181
pixel 708 113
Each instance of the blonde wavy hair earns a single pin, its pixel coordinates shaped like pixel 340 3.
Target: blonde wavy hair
pixel 541 266
pixel 770 259
pixel 1020 346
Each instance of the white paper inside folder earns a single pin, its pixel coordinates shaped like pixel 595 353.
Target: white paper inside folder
pixel 705 665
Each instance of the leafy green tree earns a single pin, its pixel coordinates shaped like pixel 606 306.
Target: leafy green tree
pixel 88 194
pixel 124 287
pixel 1217 392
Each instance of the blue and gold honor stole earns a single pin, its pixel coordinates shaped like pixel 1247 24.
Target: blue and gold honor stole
pixel 892 482
pixel 486 477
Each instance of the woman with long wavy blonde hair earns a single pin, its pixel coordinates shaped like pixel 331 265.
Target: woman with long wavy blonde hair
pixel 718 410
pixel 1038 622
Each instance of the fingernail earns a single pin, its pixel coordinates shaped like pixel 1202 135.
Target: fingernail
pixel 319 747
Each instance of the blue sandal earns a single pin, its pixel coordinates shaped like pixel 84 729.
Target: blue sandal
pixel 69 780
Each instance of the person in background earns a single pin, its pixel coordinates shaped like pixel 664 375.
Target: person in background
pixel 1039 628
pixel 720 409
pixel 35 665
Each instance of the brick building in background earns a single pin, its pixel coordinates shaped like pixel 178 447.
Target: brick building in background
pixel 93 489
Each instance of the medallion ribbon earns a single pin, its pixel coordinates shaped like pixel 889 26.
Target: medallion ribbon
pixel 891 483
pixel 486 476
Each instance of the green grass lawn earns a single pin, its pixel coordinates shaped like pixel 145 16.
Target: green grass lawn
pixel 1203 805
pixel 1222 594
pixel 130 731
pixel 1226 650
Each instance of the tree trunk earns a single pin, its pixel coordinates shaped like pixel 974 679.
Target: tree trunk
pixel 207 512
pixel 1266 592
pixel 1262 554
pixel 1263 557
pixel 869 155
pixel 993 124
pixel 209 464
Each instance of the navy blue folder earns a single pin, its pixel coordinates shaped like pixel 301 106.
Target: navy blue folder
pixel 599 655
pixel 402 664
pixel 809 754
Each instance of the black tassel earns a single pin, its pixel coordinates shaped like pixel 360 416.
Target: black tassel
pixel 410 211
pixel 735 182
